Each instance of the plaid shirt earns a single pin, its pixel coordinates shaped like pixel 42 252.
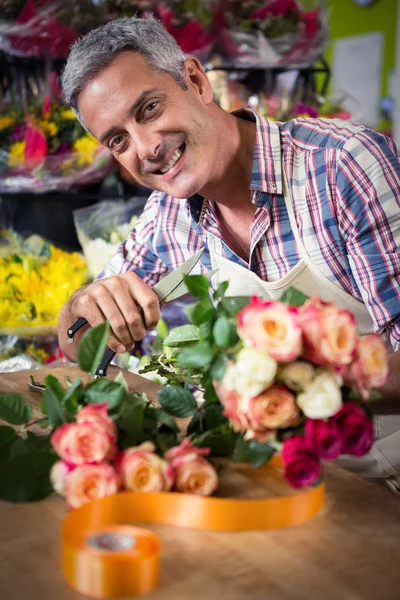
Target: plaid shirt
pixel 345 182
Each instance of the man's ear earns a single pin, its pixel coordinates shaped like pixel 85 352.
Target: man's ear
pixel 197 80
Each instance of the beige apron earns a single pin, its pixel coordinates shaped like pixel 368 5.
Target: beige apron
pixel 383 460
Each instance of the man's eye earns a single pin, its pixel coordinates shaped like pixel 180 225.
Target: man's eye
pixel 116 141
pixel 150 107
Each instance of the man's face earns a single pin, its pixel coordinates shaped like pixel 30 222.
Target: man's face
pixel 161 133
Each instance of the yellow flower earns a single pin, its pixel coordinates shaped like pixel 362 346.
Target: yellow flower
pixel 16 154
pixel 34 296
pixel 68 115
pixel 86 147
pixel 49 128
pixel 6 122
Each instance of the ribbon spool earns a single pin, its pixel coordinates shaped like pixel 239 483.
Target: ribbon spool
pixel 105 556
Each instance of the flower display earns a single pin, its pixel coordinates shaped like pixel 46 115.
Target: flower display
pixel 272 32
pixel 191 23
pixel 289 376
pixel 36 279
pixel 46 28
pixel 46 148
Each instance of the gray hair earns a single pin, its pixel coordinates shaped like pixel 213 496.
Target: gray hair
pixel 98 48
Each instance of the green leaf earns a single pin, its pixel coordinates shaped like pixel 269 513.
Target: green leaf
pixel 224 332
pixel 14 410
pixel 220 443
pixel 202 312
pixel 92 347
pixel 165 439
pixel 104 390
pixel 32 443
pixel 232 305
pixel 162 329
pixel 293 297
pixel 220 292
pixel 73 396
pixel 181 336
pixel 210 395
pixel 218 366
pixel 213 416
pixel 166 419
pixel 198 356
pixel 177 401
pixel 205 330
pixel 195 425
pixel 252 451
pixel 198 285
pixel 7 435
pixel 55 385
pixel 131 420
pixel 25 477
pixel 53 407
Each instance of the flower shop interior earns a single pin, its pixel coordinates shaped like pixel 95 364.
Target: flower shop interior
pixel 196 395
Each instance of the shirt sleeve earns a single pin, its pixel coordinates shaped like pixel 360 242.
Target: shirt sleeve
pixel 136 253
pixel 368 193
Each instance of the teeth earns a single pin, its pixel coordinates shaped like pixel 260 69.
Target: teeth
pixel 176 156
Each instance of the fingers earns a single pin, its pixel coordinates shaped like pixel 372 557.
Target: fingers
pixel 128 303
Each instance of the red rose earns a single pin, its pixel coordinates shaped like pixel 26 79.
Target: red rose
pixel 302 466
pixel 324 438
pixel 355 428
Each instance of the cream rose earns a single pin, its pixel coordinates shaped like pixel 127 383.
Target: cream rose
pixel 371 369
pixel 79 443
pixel 142 470
pixel 97 415
pixel 193 473
pixel 89 482
pixel 272 327
pixel 322 398
pixel 255 372
pixel 330 333
pixel 296 375
pixel 58 473
pixel 275 408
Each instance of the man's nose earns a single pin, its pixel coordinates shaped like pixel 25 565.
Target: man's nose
pixel 147 144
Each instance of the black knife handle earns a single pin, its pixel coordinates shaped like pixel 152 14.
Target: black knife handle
pixel 105 361
pixel 72 329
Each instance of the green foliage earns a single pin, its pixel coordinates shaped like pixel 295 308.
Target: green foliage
pixel 293 297
pixel 177 401
pixel 252 451
pixel 92 347
pixel 13 409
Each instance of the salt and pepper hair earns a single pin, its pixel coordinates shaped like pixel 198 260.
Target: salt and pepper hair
pixel 98 48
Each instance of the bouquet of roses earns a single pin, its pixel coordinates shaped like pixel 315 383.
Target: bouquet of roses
pixel 272 32
pixel 46 148
pixel 46 28
pixel 191 23
pixel 290 377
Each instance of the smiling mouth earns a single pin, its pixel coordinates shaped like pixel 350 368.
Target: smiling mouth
pixel 172 162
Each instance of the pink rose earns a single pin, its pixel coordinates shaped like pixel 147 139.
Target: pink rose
pixel 79 443
pixel 97 415
pixel 272 327
pixel 355 428
pixel 272 409
pixel 324 438
pixel 230 400
pixel 58 473
pixel 371 369
pixel 330 334
pixel 89 482
pixel 302 466
pixel 193 474
pixel 142 470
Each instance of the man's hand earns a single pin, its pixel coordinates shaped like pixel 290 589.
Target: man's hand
pixel 125 301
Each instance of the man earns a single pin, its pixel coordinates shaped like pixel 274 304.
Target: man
pixel 311 203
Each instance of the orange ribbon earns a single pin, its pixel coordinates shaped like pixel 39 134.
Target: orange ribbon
pixel 125 563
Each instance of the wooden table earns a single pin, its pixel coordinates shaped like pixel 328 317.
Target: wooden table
pixel 350 551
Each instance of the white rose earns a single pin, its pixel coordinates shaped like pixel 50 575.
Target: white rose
pixel 322 398
pixel 255 372
pixel 297 375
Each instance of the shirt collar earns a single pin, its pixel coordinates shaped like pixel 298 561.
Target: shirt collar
pixel 267 162
pixel 267 158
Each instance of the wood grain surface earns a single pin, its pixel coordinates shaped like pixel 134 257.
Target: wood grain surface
pixel 350 551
